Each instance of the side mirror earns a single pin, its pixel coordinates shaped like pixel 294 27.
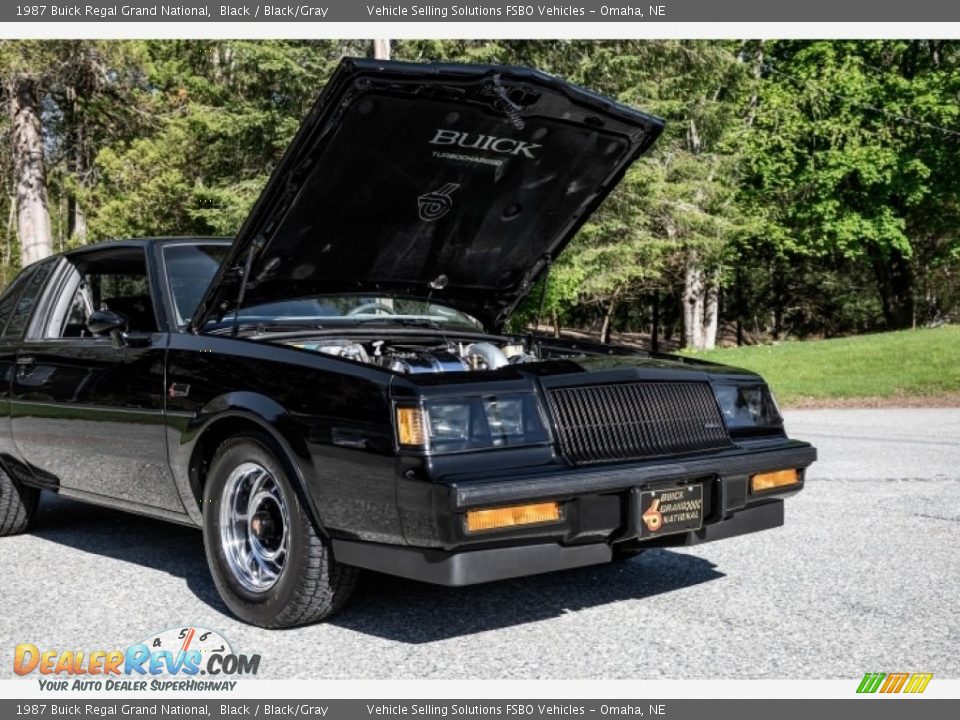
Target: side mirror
pixel 101 322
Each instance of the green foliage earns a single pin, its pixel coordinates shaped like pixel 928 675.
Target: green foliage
pixel 898 364
pixel 675 206
pixel 220 114
pixel 816 181
pixel 851 156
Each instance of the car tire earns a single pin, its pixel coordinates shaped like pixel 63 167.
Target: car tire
pixel 18 505
pixel 269 562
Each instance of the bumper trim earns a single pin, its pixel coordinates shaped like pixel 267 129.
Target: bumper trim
pixel 474 493
pixel 471 567
pixel 759 517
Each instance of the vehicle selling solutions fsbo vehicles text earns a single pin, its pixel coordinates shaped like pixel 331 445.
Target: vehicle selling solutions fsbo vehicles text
pixel 442 11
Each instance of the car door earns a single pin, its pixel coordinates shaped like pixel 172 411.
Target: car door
pixel 87 410
pixel 16 304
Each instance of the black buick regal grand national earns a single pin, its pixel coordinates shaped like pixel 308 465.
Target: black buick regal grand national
pixel 333 389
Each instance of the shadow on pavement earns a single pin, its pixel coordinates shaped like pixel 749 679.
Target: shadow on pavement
pixel 174 549
pixel 383 606
pixel 412 612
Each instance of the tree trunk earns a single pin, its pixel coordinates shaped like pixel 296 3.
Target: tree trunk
pixel 754 101
pixel 693 303
pixel 779 298
pixel 555 322
pixel 711 312
pixel 694 143
pixel 33 214
pixel 76 218
pixel 894 277
pixel 701 308
pixel 655 322
pixel 8 241
pixel 381 49
pixel 78 222
pixel 738 292
pixel 608 316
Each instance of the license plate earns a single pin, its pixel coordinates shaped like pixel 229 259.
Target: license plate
pixel 673 510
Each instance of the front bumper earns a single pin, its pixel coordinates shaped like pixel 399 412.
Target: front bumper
pixel 726 465
pixel 479 566
pixel 601 512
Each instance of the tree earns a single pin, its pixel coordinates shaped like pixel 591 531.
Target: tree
pixel 219 115
pixel 95 94
pixel 850 158
pixel 801 188
pixel 25 66
pixel 677 205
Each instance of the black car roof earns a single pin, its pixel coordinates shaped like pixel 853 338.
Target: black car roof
pixel 146 241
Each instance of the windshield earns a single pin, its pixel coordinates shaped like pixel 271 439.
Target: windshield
pixel 190 269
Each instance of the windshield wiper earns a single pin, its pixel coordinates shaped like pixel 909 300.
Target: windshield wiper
pixel 402 321
pixel 262 327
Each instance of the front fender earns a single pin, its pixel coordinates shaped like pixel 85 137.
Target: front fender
pixel 223 417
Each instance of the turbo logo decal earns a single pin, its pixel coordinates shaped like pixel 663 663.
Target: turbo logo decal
pixel 434 205
pixel 653 517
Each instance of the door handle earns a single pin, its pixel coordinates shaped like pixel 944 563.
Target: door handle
pixel 24 364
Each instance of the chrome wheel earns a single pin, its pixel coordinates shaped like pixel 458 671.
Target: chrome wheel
pixel 254 527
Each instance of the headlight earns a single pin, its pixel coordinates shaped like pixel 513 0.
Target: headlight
pixel 506 419
pixel 748 406
pixel 450 422
pixel 450 425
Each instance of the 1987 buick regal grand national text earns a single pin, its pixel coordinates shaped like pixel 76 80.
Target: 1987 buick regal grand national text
pixel 333 389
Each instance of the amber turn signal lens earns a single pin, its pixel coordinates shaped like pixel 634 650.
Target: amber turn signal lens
pixel 511 516
pixel 410 426
pixel 767 481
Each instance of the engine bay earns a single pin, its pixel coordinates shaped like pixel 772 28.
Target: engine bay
pixel 414 356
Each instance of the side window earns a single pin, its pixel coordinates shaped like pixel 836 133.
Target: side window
pixel 190 268
pixel 73 308
pixel 109 280
pixel 26 300
pixel 8 299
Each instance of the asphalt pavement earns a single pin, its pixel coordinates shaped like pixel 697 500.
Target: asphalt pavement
pixel 864 576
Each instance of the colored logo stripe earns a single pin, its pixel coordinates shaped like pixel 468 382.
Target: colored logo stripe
pixel 894 682
pixel 871 682
pixel 918 682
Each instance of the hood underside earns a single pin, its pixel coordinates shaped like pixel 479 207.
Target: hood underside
pixel 458 183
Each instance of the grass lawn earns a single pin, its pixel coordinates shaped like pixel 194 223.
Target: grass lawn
pixel 907 364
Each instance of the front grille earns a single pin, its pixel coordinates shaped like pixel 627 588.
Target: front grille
pixel 631 421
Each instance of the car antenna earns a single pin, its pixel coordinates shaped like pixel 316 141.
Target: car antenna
pixel 248 264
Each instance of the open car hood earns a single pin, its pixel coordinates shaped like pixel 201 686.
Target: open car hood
pixel 457 183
